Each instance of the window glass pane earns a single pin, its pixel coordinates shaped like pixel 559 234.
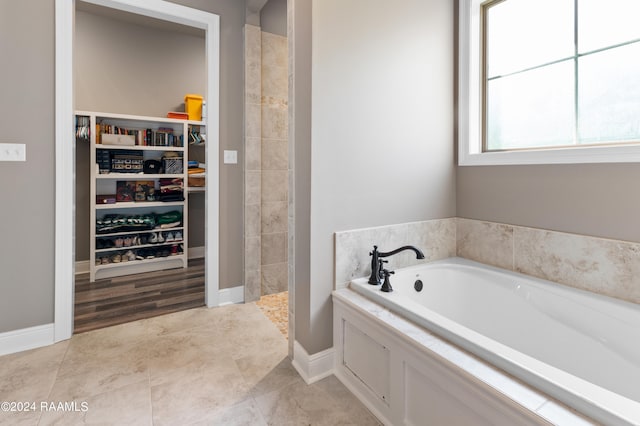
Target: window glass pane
pixel 609 95
pixel 526 33
pixel 605 23
pixel 531 109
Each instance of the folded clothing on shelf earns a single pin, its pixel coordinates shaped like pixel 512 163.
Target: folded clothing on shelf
pixel 112 223
pixel 171 189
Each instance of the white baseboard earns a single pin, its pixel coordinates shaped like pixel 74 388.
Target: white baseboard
pixel 195 252
pixel 312 367
pixel 82 266
pixel 230 296
pixel 26 338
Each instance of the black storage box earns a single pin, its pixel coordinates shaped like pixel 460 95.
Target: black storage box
pixel 127 161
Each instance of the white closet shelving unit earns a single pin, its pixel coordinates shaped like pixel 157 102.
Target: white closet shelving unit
pixel 196 151
pixel 158 246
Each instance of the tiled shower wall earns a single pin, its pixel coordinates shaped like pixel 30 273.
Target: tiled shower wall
pixel 266 163
pixel 599 265
pixel 253 163
pixel 275 163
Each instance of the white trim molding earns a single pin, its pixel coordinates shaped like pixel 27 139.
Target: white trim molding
pixel 312 367
pixel 65 170
pixel 230 296
pixel 470 112
pixel 26 338
pixel 82 267
pixel 195 252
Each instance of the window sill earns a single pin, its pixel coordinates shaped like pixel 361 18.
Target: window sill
pixel 573 155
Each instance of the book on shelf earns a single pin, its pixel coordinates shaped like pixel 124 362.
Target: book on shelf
pixel 178 115
pixel 162 136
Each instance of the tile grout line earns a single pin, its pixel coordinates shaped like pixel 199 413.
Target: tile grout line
pixel 56 376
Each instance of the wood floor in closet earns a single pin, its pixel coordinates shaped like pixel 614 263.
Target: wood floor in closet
pixel 118 300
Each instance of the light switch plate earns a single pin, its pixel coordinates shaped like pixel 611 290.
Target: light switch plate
pixel 13 152
pixel 230 157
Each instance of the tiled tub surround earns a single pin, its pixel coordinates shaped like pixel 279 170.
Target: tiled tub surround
pixel 599 265
pixel 436 238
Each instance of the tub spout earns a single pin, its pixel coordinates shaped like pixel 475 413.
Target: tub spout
pixel 377 262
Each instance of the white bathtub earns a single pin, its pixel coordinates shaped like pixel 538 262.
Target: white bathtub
pixel 578 347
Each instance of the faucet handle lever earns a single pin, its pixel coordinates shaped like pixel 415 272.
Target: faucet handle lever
pixel 386 285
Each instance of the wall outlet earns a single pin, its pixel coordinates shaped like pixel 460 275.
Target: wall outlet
pixel 13 152
pixel 230 157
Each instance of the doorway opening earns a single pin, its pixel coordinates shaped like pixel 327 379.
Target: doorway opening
pixel 65 152
pixel 268 165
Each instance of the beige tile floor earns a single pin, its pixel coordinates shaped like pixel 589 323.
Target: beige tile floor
pixel 223 366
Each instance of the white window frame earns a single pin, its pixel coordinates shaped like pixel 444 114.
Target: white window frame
pixel 470 112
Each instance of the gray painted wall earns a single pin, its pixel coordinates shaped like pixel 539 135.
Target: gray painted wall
pixel 273 17
pixel 591 199
pixel 133 69
pixel 382 133
pixel 128 68
pixel 300 137
pixel 27 116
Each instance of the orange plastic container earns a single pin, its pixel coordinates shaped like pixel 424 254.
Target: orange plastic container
pixel 193 106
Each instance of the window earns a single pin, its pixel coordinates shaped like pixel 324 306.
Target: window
pixel 549 81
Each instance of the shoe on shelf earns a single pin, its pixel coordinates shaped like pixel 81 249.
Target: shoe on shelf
pixel 119 242
pixel 127 242
pixel 178 236
pixel 160 238
pixel 129 255
pixel 169 238
pixel 140 254
pixel 116 258
pixel 153 238
pixel 98 261
pixel 174 250
pixel 135 240
pixel 105 260
pixel 151 254
pixel 142 239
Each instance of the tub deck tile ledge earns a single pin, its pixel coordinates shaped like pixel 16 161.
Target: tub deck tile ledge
pixel 422 340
